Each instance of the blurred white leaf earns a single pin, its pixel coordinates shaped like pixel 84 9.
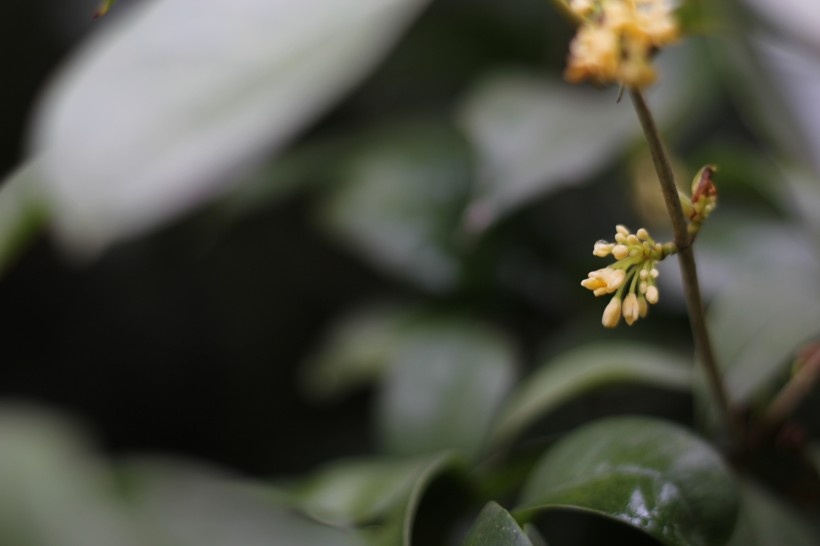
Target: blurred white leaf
pixel 162 111
pixel 794 17
pixel 771 64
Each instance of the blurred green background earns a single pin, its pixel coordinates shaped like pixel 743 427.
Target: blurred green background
pixel 460 186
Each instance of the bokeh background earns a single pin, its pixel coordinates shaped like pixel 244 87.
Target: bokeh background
pixel 461 180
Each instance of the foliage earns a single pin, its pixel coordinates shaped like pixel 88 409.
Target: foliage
pixel 468 186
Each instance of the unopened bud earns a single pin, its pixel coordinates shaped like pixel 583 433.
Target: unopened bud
pixel 652 294
pixel 612 313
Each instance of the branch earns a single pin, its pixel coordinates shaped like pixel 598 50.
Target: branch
pixel 686 259
pixel 804 380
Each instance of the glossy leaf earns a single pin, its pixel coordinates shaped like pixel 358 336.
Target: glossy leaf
pixel 444 389
pixel 400 199
pixel 22 213
pixel 647 473
pixel 358 350
pixel 496 527
pixel 582 370
pixel 536 135
pixel 188 505
pixel 765 521
pixel 161 112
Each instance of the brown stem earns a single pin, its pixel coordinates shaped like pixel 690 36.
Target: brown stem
pixel 686 258
pixel 794 391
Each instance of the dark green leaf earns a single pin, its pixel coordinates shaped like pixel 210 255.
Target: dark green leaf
pixel 444 389
pixel 165 110
pixel 22 213
pixel 400 201
pixel 398 528
pixel 358 350
pixel 645 472
pixel 308 166
pixel 496 527
pixel 579 371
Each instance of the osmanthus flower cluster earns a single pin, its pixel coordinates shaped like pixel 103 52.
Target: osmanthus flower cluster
pixel 617 38
pixel 634 272
pixel 637 255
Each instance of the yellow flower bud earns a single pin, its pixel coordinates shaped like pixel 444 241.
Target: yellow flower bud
pixel 620 252
pixel 643 307
pixel 652 294
pixel 631 308
pixel 602 249
pixel 612 313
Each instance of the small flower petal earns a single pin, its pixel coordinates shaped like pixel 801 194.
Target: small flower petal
pixel 604 281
